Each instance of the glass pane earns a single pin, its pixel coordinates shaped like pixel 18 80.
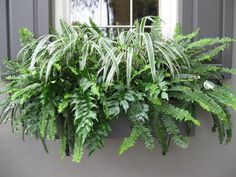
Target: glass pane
pixel 142 8
pixel 82 10
pixel 115 12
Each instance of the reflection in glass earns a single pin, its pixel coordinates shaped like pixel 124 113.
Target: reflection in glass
pixel 82 10
pixel 120 12
pixel 142 8
pixel 113 12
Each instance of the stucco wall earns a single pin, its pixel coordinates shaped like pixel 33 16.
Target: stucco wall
pixel 204 158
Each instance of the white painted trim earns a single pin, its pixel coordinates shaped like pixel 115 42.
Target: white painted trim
pixel 131 13
pixel 168 13
pixel 62 12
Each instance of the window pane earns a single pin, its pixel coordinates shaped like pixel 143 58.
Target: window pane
pixel 142 8
pixel 115 12
pixel 82 10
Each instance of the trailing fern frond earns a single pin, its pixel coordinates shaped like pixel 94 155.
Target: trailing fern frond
pixel 139 130
pixel 85 116
pixel 173 130
pixel 178 113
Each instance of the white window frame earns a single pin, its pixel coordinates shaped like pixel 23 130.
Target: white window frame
pixel 168 12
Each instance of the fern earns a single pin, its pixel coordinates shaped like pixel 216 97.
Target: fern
pixel 85 116
pixel 224 129
pixel 138 112
pixel 205 101
pixel 221 129
pixel 224 96
pixel 139 130
pixel 25 93
pixel 203 43
pixel 44 122
pixel 130 141
pixel 229 126
pixel 63 142
pixel 160 130
pixel 52 129
pixel 184 40
pixel 78 149
pixel 177 113
pixel 178 31
pixel 173 130
pixel 147 137
pixel 95 140
pixel 26 36
pixel 64 103
pixel 211 54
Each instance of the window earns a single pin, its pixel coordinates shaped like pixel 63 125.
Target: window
pixel 116 13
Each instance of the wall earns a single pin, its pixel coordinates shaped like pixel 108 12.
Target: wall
pixel 204 158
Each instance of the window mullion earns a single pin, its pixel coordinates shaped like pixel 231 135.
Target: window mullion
pixel 131 13
pixel 100 12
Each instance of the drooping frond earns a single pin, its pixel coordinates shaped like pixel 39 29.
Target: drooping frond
pixel 201 98
pixel 95 140
pixel 138 112
pixel 85 116
pixel 130 141
pixel 139 130
pixel 177 113
pixel 173 130
pixel 224 96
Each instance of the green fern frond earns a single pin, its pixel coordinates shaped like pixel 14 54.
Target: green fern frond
pixel 85 116
pixel 202 99
pixel 177 113
pixel 147 137
pixel 160 131
pixel 203 43
pixel 224 96
pixel 52 128
pixel 211 53
pixel 112 107
pixel 95 140
pixel 43 122
pixel 173 130
pixel 229 126
pixel 185 39
pixel 220 128
pixel 139 130
pixel 224 129
pixel 205 69
pixel 25 93
pixel 178 30
pixel 228 70
pixel 78 149
pixel 26 36
pixel 63 141
pixel 130 141
pixel 138 111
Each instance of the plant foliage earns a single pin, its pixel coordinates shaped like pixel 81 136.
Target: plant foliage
pixel 73 85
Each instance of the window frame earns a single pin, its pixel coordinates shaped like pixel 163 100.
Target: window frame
pixel 169 16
